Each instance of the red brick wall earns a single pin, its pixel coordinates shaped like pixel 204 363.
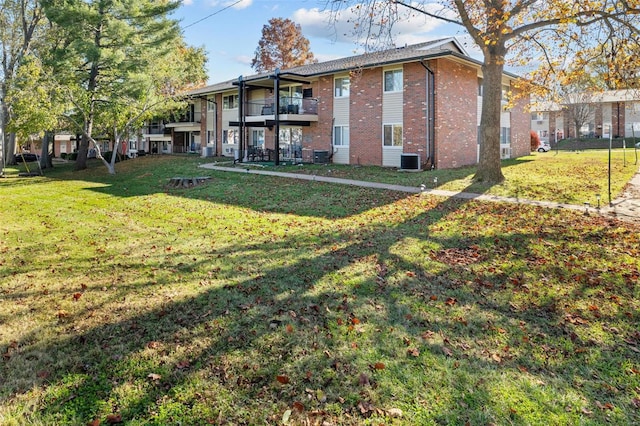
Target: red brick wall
pixel 618 118
pixel 520 128
pixel 218 99
pixel 456 122
pixel 203 122
pixel 318 135
pixel 415 110
pixel 365 118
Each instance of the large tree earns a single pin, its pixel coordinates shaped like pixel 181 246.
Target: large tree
pixel 282 46
pixel 531 30
pixel 19 24
pixel 106 46
pixel 35 104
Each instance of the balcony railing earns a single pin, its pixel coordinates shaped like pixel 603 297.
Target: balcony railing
pixel 156 129
pixel 294 106
pixel 187 118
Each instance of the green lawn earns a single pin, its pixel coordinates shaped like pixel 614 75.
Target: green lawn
pixel 260 300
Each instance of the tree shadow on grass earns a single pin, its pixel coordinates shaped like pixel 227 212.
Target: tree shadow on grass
pixel 417 294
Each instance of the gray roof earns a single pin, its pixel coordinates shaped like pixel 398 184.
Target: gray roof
pixel 428 49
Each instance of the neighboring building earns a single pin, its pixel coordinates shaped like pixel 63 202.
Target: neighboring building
pixel 421 101
pixel 613 113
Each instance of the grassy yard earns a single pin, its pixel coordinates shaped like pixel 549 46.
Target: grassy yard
pixel 258 300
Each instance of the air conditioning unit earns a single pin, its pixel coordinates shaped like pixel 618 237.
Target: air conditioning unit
pixel 320 156
pixel 410 161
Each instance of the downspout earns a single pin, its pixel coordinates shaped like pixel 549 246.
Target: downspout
pixel 240 119
pixel 430 115
pixel 276 91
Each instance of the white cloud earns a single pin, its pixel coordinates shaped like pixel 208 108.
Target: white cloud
pixel 410 28
pixel 243 59
pixel 236 4
pixel 187 2
pixel 242 4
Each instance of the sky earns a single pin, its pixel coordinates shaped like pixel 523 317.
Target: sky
pixel 230 30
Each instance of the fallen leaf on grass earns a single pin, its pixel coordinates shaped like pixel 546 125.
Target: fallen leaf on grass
pixel 428 335
pixel 394 412
pixel 183 364
pixel 62 314
pixel 114 418
pixel 450 301
pixel 94 422
pixel 285 416
pixel 447 351
pixel 378 366
pixel 298 406
pixel 606 406
pixel 283 379
pixel 154 376
pixel 76 296
pixel 413 352
pixel 363 380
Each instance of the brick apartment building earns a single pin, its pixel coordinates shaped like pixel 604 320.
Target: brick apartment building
pixel 416 105
pixel 611 113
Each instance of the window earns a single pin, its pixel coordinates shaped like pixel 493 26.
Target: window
pixel 342 85
pixel 480 87
pixel 505 93
pixel 393 81
pixel 257 138
pixel 230 102
pixel 392 134
pixel 505 135
pixel 211 105
pixel 341 136
pixel 229 137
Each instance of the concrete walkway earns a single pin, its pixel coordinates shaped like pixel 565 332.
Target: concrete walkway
pixel 627 207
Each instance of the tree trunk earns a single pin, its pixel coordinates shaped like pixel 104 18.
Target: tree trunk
pixel 489 165
pixel 8 139
pixel 83 150
pixel 45 158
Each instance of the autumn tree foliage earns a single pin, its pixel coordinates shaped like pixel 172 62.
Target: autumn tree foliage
pixel 541 34
pixel 282 46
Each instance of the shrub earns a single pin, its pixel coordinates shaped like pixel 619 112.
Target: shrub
pixel 535 140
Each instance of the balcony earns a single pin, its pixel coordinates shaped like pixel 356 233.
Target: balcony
pixel 292 111
pixel 189 122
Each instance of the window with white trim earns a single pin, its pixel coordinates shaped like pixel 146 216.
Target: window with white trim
pixel 393 80
pixel 505 135
pixel 211 105
pixel 230 102
pixel 341 136
pixel 392 135
pixel 257 138
pixel 342 85
pixel 229 137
